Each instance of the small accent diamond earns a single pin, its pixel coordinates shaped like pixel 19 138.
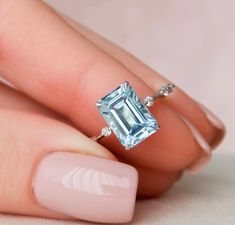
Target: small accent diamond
pixel 165 91
pixel 106 131
pixel 149 101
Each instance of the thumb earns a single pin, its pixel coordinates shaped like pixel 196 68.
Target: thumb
pixel 49 169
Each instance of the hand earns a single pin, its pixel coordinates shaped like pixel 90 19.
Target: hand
pixel 49 167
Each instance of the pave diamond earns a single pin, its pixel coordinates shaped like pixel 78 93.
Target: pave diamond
pixel 127 116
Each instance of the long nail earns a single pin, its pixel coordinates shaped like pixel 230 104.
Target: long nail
pixel 86 187
pixel 205 157
pixel 198 136
pixel 199 164
pixel 215 122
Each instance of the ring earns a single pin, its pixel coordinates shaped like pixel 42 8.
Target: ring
pixel 127 116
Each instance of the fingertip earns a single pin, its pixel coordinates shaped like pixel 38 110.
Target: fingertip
pixel 86 187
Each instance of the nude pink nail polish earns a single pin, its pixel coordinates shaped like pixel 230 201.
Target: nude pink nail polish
pixel 199 164
pixel 215 121
pixel 86 187
pixel 205 158
pixel 198 136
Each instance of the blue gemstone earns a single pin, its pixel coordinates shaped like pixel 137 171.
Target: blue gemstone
pixel 129 119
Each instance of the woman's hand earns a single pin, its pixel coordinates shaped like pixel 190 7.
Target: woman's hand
pixel 60 69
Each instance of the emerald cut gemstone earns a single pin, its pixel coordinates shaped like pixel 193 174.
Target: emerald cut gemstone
pixel 127 116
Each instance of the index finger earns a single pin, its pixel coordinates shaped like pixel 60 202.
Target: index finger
pixel 47 59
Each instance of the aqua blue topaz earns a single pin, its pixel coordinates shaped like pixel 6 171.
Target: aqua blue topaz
pixel 126 115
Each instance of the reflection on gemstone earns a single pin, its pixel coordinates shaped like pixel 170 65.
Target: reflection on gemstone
pixel 127 116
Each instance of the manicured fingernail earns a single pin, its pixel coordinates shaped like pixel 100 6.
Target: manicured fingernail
pixel 198 136
pixel 180 175
pixel 199 164
pixel 215 121
pixel 86 187
pixel 219 131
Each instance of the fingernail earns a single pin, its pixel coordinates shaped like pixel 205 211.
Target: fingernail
pixel 215 121
pixel 86 187
pixel 204 159
pixel 198 136
pixel 199 164
pixel 180 175
pixel 219 132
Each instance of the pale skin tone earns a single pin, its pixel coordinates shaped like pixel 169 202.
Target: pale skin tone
pixel 60 69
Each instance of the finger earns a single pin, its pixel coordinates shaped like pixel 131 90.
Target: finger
pixel 206 122
pixel 60 71
pixel 12 99
pixel 151 183
pixel 47 167
pixel 153 187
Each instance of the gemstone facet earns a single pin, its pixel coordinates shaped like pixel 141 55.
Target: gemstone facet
pixel 127 116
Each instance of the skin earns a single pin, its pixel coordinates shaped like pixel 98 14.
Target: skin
pixel 60 69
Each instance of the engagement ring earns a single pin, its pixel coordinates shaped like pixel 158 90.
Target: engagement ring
pixel 127 116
